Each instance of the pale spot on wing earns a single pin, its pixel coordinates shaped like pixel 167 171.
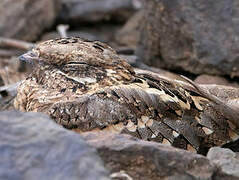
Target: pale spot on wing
pixel 150 122
pixel 191 149
pixel 141 124
pixel 234 136
pixel 207 131
pixel 165 141
pixel 145 118
pixel 160 115
pixel 153 136
pixel 197 100
pixel 110 71
pixel 198 119
pixel 154 91
pixel 119 127
pixel 179 112
pixel 175 134
pixel 126 76
pixel 166 98
pixel 131 126
pixel 184 105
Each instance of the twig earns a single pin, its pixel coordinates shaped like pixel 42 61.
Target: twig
pixel 9 53
pixel 8 103
pixel 10 88
pixel 62 30
pixel 18 44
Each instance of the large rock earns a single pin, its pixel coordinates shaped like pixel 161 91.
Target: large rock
pixel 32 146
pixel 98 10
pixel 226 160
pixel 195 36
pixel 143 160
pixel 26 19
pixel 219 80
pixel 129 34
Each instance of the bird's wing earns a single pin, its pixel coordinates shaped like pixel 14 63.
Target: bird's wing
pixel 148 109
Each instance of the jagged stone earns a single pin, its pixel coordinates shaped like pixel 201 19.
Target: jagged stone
pixel 26 19
pixel 32 146
pixel 149 160
pixel 194 36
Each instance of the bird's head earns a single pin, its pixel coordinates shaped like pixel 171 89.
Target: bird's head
pixel 74 50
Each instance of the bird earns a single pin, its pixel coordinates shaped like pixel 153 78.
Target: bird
pixel 86 86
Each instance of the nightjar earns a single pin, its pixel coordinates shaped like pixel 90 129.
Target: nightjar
pixel 85 85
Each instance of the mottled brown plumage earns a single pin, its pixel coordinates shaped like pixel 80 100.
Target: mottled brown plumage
pixel 86 86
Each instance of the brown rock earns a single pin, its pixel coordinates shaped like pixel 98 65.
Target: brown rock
pixel 130 33
pixel 148 160
pixel 26 19
pixel 199 37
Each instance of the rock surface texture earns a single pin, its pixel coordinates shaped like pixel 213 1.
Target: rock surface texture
pixel 84 85
pixel 194 36
pixel 32 146
pixel 143 160
pixel 98 10
pixel 26 19
pixel 226 160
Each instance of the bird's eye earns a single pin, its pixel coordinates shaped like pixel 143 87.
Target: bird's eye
pixel 74 40
pixel 75 63
pixel 98 47
pixel 63 41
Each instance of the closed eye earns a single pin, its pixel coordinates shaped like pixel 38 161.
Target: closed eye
pixel 98 47
pixel 73 62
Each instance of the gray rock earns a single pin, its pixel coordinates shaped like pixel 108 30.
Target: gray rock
pixel 32 146
pixel 226 160
pixel 98 10
pixel 149 160
pixel 210 79
pixel 195 36
pixel 26 19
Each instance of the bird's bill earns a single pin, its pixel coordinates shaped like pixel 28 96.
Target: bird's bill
pixel 29 57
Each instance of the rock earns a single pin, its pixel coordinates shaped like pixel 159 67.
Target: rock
pixel 26 19
pixel 226 160
pixel 209 79
pixel 33 147
pixel 148 160
pixel 104 33
pixel 191 36
pixel 225 93
pixel 97 10
pixel 129 34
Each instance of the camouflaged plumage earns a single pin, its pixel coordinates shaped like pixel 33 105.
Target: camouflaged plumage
pixel 86 86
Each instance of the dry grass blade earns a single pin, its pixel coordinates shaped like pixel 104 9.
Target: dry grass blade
pixel 62 30
pixel 18 44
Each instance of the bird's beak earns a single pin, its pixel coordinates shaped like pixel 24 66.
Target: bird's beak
pixel 29 57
